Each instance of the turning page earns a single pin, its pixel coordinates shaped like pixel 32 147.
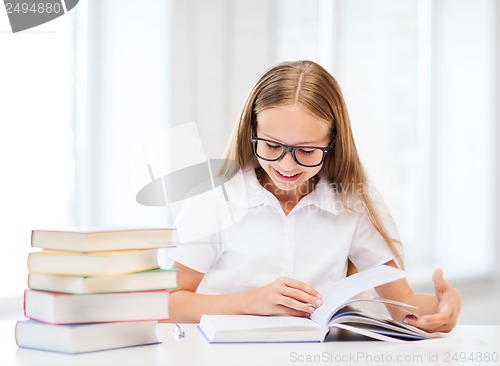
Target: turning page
pixel 342 291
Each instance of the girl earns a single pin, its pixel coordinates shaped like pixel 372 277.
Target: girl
pixel 310 213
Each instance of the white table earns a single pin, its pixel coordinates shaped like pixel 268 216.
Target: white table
pixel 466 345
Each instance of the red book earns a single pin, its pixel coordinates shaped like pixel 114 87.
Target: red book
pixel 59 308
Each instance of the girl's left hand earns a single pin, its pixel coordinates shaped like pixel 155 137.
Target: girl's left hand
pixel 448 308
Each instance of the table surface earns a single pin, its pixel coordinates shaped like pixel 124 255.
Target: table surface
pixel 466 345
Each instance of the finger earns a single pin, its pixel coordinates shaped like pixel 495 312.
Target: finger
pixel 430 327
pixel 446 309
pixel 292 283
pixel 440 284
pixel 301 291
pixel 301 296
pixel 433 323
pixel 435 327
pixel 292 303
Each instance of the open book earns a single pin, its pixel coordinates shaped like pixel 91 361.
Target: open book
pixel 337 311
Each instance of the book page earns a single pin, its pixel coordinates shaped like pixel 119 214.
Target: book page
pixel 345 289
pixel 255 322
pixel 378 324
pixel 370 300
pixel 256 328
pixel 370 334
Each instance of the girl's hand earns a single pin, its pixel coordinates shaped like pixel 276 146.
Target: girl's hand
pixel 285 296
pixel 448 307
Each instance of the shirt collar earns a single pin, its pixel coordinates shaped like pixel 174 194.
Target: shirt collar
pixel 323 196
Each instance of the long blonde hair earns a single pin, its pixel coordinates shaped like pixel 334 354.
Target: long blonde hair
pixel 308 84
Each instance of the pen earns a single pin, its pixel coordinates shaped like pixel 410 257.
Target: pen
pixel 178 332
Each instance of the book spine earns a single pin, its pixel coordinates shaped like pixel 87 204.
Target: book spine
pixel 24 303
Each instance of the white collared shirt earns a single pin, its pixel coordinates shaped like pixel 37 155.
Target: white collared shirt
pixel 311 244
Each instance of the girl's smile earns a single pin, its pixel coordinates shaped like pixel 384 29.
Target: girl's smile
pixel 287 177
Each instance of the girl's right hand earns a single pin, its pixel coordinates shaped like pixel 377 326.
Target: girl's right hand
pixel 284 296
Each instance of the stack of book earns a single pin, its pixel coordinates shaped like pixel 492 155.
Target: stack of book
pixel 95 290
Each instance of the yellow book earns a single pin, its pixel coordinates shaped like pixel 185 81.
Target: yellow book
pixel 92 263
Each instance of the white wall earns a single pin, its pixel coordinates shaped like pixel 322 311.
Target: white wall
pixel 170 62
pixel 219 49
pixel 464 115
pixel 123 96
pixel 496 178
pixel 402 66
pixel 36 158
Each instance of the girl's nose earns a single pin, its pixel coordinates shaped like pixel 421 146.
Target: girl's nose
pixel 287 162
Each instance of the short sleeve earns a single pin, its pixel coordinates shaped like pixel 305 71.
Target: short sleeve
pixel 196 255
pixel 198 224
pixel 368 247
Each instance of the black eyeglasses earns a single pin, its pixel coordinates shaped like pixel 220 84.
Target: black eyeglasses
pixel 306 156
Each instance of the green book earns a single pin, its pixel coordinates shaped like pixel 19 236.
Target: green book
pixel 157 279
